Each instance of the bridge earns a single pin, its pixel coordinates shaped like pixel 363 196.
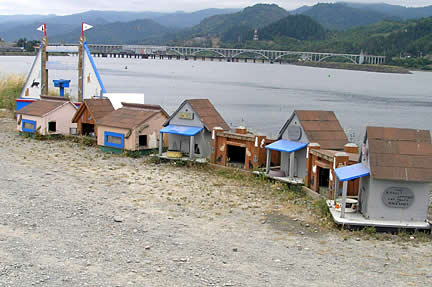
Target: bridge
pixel 107 50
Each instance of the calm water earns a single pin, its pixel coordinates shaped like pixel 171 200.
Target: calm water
pixel 263 96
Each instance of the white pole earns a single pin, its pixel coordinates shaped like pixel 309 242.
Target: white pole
pixel 336 189
pixel 292 164
pixel 268 161
pixel 160 143
pixel 344 196
pixel 192 146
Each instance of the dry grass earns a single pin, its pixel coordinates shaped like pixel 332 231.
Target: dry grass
pixel 10 89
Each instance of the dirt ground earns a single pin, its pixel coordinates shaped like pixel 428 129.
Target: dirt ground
pixel 73 216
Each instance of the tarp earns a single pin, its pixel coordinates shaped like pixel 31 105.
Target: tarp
pixel 351 172
pixel 130 98
pixel 181 130
pixel 33 86
pixel 286 146
pixel 51 65
pixel 93 86
pixel 62 49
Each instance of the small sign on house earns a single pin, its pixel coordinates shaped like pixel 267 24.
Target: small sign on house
pixel 190 128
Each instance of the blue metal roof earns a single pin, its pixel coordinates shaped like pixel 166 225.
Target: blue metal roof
pixel 351 172
pixel 286 146
pixel 181 130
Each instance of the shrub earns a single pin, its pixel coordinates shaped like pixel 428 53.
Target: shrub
pixel 370 230
pixel 132 154
pixel 322 208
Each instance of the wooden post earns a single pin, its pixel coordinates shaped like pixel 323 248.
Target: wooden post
pixel 214 143
pixel 44 70
pixel 340 159
pixel 80 68
pixel 309 162
pixel 344 196
pixel 268 161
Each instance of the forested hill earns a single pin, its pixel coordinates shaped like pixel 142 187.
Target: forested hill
pixel 253 17
pixel 340 16
pixel 299 27
pixel 13 27
pixel 401 12
pixel 134 32
pixel 345 15
pixel 389 38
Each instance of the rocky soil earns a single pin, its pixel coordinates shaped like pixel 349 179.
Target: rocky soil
pixel 73 216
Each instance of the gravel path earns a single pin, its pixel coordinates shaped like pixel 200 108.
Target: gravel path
pixel 73 216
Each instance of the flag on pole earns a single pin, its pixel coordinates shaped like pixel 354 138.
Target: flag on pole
pixel 42 28
pixel 85 26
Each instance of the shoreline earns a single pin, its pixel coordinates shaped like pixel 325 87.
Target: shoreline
pixel 355 67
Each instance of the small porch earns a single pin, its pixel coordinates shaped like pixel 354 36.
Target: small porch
pixel 188 131
pixel 344 210
pixel 277 172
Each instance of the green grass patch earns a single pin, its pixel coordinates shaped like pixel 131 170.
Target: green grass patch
pixel 321 207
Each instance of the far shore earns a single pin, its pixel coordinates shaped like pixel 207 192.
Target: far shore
pixel 329 65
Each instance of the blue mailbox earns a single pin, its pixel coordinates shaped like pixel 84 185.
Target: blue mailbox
pixel 61 84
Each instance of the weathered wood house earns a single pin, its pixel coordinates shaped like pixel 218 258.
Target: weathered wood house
pixel 321 163
pixel 395 180
pixel 134 127
pixel 302 128
pixel 89 113
pixel 48 116
pixel 190 129
pixel 239 148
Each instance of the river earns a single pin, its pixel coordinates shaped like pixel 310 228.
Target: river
pixel 263 96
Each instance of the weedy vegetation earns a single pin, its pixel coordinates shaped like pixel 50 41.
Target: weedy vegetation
pixel 10 89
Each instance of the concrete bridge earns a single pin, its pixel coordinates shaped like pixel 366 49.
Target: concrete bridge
pixel 146 51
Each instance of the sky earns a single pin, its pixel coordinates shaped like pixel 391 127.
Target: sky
pixel 64 7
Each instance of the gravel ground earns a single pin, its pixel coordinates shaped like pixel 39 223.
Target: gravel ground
pixel 73 216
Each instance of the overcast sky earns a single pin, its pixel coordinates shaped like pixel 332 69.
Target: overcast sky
pixel 63 7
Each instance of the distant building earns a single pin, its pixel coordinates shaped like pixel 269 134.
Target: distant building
pixel 255 37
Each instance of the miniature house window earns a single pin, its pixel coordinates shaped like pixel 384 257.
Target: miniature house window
pixel 114 140
pixel 28 126
pixel 52 126
pixel 143 140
